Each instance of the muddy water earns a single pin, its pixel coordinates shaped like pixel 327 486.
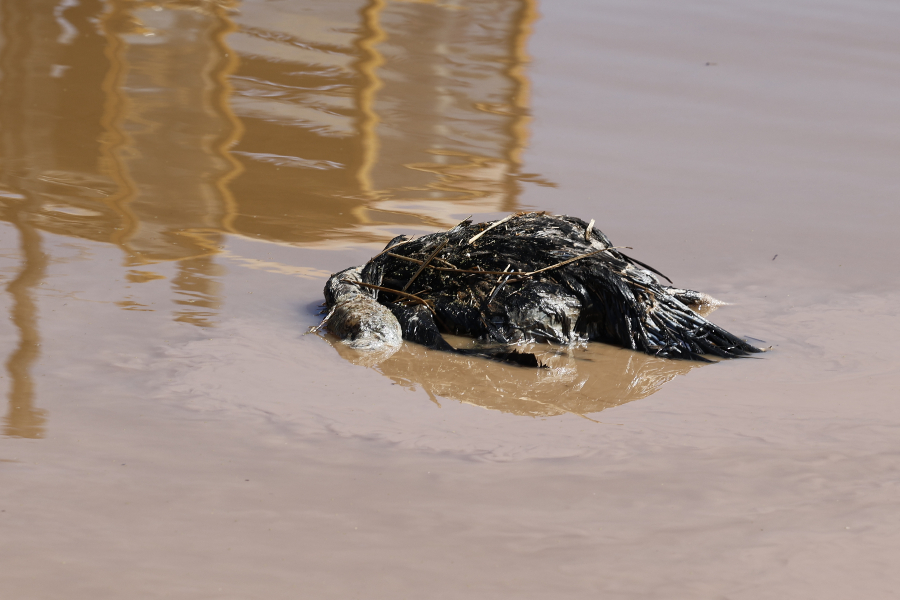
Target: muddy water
pixel 177 180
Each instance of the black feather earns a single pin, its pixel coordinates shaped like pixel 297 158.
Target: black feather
pixel 606 296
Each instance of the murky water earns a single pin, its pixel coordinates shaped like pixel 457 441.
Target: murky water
pixel 177 180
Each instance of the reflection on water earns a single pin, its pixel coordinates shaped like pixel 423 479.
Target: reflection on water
pixel 20 203
pixel 360 116
pixel 23 418
pixel 168 126
pixel 164 127
pixel 578 381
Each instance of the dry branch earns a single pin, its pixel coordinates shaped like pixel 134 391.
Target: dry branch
pixel 425 264
pixel 489 227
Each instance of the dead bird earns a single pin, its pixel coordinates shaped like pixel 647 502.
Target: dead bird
pixel 530 277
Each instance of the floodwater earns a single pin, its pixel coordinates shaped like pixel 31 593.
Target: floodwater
pixel 177 180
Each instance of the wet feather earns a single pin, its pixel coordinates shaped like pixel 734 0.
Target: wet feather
pixel 538 277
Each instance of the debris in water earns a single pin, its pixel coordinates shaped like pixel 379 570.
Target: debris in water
pixel 529 277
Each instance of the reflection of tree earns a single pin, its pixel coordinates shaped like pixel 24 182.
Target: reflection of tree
pixel 23 418
pixel 52 78
pixel 365 114
pixel 17 57
pixel 615 376
pixel 452 83
pixel 124 134
pixel 166 113
pixel 118 125
pixel 197 285
pixel 382 112
pixel 169 127
pixel 88 151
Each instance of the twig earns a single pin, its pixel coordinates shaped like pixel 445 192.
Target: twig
pixel 316 328
pixel 410 259
pixel 517 273
pixel 399 293
pixel 498 285
pixel 565 262
pixel 489 227
pixel 389 290
pixel 454 270
pixel 389 248
pixel 446 263
pixel 460 223
pixel 412 239
pixel 587 232
pixel 425 264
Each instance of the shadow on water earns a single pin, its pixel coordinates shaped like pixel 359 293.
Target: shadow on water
pixel 578 381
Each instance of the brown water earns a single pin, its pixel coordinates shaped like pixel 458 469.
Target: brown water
pixel 177 180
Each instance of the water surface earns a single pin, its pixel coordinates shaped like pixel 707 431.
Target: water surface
pixel 178 179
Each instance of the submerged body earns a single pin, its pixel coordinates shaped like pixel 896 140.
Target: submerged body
pixel 526 278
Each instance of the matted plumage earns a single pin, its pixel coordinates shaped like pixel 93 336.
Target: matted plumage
pixel 531 277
